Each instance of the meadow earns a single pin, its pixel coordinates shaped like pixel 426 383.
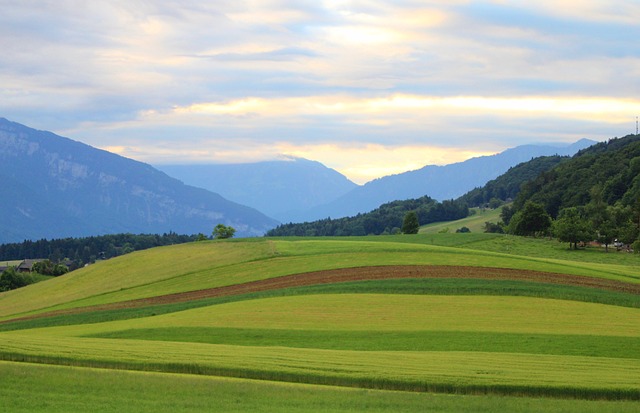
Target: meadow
pixel 452 322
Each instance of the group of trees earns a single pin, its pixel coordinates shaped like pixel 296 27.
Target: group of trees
pixel 595 221
pixel 10 279
pixel 387 219
pixel 593 196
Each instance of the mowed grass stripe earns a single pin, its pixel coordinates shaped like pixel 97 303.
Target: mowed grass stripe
pixel 399 312
pixel 453 372
pixel 436 286
pixel 62 389
pixel 559 344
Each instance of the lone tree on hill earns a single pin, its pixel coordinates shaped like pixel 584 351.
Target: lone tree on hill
pixel 222 231
pixel 410 224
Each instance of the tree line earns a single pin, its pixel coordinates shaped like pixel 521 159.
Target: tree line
pixel 81 251
pixel 386 219
pixel 593 196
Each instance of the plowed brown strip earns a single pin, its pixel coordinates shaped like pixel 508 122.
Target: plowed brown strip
pixel 358 274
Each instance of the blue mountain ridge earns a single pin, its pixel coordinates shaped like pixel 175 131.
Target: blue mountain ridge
pixel 55 187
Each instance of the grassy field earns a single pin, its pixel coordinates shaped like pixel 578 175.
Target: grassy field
pixel 509 344
pixel 69 389
pixel 474 222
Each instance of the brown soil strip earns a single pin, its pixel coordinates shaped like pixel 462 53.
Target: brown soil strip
pixel 357 274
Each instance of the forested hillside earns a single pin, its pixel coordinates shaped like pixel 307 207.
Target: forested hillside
pixel 387 219
pixel 507 186
pixel 594 196
pixel 612 169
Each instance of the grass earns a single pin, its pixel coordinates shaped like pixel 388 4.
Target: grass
pixel 468 336
pixel 197 266
pixel 431 371
pixel 394 286
pixel 389 312
pixel 443 343
pixel 475 222
pixel 65 389
pixel 374 340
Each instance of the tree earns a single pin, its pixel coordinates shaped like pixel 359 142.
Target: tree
pixel 222 231
pixel 506 214
pixel 607 232
pixel 572 226
pixel 10 279
pixel 410 224
pixel 47 267
pixel 532 219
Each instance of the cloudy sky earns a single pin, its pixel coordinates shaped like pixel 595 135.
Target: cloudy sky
pixel 366 87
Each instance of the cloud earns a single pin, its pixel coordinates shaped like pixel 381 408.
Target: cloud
pixel 157 79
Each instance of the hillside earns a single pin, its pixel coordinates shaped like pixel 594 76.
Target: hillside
pixel 438 182
pixel 613 167
pixel 507 186
pixel 427 314
pixel 384 220
pixel 56 187
pixel 276 188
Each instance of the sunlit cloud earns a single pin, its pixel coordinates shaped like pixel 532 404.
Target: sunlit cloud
pixel 360 162
pixel 382 86
pixel 604 109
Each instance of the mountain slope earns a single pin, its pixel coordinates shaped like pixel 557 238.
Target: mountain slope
pixel 275 188
pixel 507 186
pixel 613 167
pixel 57 187
pixel 438 182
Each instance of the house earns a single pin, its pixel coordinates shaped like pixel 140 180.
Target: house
pixel 27 265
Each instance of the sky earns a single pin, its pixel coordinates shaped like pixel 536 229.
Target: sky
pixel 369 88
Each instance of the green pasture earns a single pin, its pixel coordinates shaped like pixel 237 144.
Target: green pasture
pixel 203 265
pixel 472 336
pixel 475 222
pixel 69 389
pixel 431 371
pixel 434 286
pixel 495 344
pixel 401 312
pixel 560 344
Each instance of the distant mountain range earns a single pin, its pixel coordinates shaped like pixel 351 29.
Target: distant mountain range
pixel 281 189
pixel 438 182
pixel 54 187
pixel 298 190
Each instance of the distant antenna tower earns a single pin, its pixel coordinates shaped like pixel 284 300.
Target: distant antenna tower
pixel 636 125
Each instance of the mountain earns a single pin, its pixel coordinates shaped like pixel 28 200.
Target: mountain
pixel 507 186
pixel 438 182
pixel 55 187
pixel 611 168
pixel 276 188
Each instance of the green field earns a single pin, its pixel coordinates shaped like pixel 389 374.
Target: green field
pixel 568 341
pixel 475 222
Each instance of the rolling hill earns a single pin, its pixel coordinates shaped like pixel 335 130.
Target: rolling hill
pixel 425 314
pixel 55 187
